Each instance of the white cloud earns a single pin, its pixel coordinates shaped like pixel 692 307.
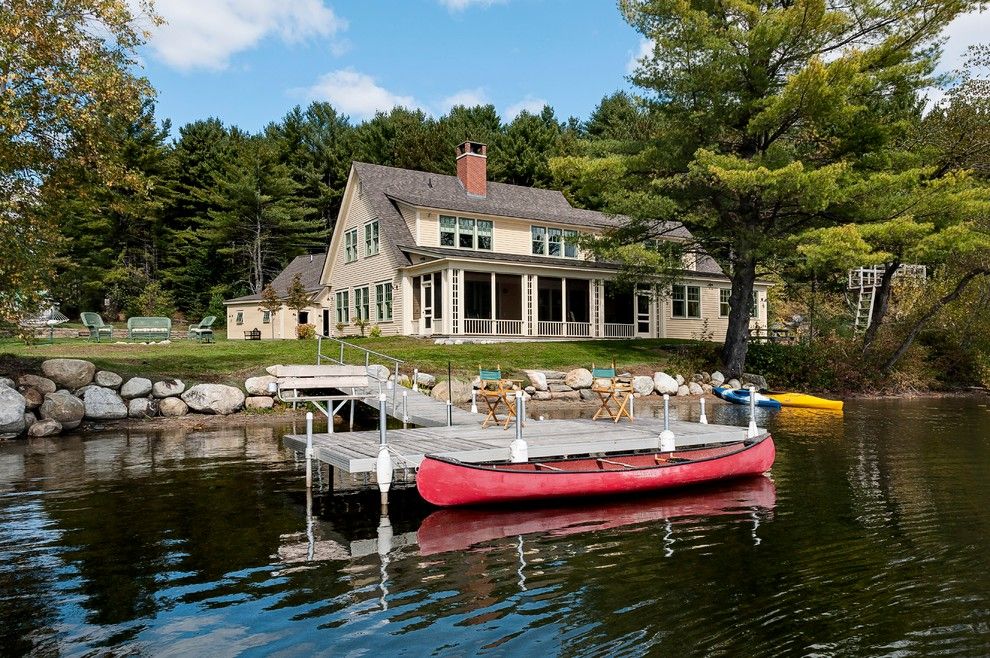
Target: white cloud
pixel 206 33
pixel 529 104
pixel 461 5
pixel 465 97
pixel 356 94
pixel 964 31
pixel 645 50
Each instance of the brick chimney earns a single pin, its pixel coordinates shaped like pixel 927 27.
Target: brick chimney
pixel 472 167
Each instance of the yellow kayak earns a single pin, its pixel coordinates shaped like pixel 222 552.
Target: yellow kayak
pixel 806 401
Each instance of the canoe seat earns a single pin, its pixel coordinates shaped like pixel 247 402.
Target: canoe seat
pixel 601 463
pixel 547 467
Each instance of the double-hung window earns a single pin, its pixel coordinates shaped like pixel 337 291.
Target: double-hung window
pixel 484 228
pixel 343 307
pixel 266 317
pixel 371 238
pixel 350 245
pixel 556 237
pixel 685 301
pixel 362 303
pixel 465 233
pixel 539 240
pixel 723 303
pixel 570 244
pixel 240 318
pixel 448 231
pixel 383 301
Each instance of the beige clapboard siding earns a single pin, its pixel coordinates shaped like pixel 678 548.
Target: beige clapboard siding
pixel 717 326
pixel 365 271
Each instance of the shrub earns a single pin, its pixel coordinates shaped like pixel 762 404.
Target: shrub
pixel 340 328
pixel 376 332
pixel 153 301
pixel 360 323
pixel 305 331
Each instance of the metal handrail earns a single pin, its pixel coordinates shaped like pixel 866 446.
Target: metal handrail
pixel 367 360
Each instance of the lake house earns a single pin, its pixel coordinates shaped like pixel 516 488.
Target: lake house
pixel 429 255
pixel 421 254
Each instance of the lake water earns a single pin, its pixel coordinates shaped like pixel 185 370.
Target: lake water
pixel 871 537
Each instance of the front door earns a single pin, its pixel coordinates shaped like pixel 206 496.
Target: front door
pixel 426 303
pixel 643 315
pixel 326 322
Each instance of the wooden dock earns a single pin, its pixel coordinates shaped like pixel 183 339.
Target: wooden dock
pixel 466 440
pixel 356 452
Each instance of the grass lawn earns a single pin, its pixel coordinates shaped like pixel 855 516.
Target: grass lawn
pixel 232 361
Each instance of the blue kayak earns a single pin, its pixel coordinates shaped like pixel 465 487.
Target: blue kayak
pixel 741 396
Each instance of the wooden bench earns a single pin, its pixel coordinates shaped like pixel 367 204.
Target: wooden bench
pixel 140 328
pixel 314 384
pixel 253 334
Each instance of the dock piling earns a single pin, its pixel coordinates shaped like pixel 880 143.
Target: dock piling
pixel 450 414
pixel 518 450
pixel 383 466
pixel 415 379
pixel 704 418
pixel 667 441
pixel 405 407
pixel 752 431
pixel 309 451
pixel 474 400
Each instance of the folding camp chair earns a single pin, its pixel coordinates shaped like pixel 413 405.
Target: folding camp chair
pixel 610 391
pixel 496 392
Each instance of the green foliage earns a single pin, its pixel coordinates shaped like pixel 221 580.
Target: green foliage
pixel 801 367
pixel 270 302
pixel 361 323
pixel 216 307
pixel 153 301
pixel 375 332
pixel 296 296
pixel 305 331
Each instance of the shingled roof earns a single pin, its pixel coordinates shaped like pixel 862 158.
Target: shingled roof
pixel 309 267
pixel 383 186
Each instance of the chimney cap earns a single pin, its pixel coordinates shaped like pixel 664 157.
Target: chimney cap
pixel 472 148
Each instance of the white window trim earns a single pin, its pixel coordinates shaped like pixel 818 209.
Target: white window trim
pixel 266 317
pixel 342 312
pixel 726 302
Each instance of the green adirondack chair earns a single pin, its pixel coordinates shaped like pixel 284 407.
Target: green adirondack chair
pixel 96 326
pixel 204 330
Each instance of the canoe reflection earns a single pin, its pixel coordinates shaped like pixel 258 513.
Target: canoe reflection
pixel 455 529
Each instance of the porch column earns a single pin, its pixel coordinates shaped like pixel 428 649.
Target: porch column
pixel 534 286
pixel 563 303
pixel 445 324
pixel 494 292
pixel 524 302
pixel 460 301
pixel 406 304
pixel 592 311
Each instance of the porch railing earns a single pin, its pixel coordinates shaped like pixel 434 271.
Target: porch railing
pixel 617 330
pixel 488 327
pixel 579 329
pixel 546 328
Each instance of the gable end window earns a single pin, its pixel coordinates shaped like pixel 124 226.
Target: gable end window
pixel 685 301
pixel 371 242
pixel 350 245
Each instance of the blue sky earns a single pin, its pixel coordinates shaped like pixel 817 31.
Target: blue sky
pixel 249 61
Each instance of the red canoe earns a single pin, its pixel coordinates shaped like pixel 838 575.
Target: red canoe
pixel 445 482
pixel 457 529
